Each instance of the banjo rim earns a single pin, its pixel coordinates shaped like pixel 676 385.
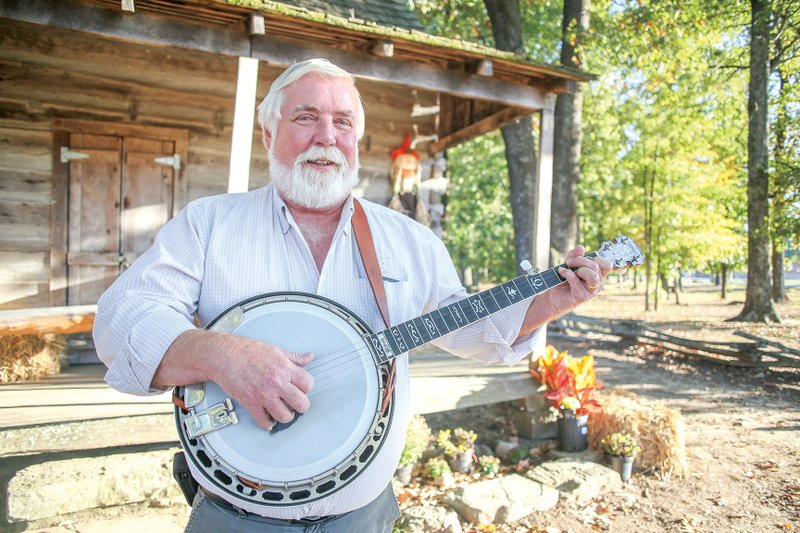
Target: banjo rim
pixel 216 471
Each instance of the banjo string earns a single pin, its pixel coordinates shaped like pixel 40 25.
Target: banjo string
pixel 319 387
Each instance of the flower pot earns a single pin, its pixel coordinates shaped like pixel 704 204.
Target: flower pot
pixel 623 465
pixel 572 432
pixel 403 474
pixel 445 481
pixel 462 462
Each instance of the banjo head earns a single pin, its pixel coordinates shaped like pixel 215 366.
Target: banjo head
pixel 319 452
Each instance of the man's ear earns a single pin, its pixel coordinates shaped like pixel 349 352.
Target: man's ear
pixel 267 138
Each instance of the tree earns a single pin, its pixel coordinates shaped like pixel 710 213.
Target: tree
pixel 785 169
pixel 758 305
pixel 564 228
pixel 518 136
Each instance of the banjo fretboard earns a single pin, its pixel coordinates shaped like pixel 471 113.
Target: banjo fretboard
pixel 416 332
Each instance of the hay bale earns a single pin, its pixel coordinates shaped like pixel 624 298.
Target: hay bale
pixel 31 357
pixel 658 428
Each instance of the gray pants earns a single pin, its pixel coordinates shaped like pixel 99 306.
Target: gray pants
pixel 377 517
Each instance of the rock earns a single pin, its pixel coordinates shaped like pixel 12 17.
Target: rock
pixel 61 487
pixel 504 447
pixel 586 455
pixel 429 518
pixel 500 500
pixel 576 480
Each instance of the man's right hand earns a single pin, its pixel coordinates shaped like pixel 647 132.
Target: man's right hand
pixel 268 381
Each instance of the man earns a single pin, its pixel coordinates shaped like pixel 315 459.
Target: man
pixel 295 235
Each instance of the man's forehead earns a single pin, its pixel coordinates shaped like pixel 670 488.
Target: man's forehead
pixel 312 91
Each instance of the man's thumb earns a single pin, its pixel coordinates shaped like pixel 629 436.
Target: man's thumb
pixel 301 359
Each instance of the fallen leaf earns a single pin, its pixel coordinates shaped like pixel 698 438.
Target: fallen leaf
pixel 767 465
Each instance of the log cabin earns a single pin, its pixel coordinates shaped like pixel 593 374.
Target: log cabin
pixel 115 113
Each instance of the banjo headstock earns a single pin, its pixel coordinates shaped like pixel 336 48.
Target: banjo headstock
pixel 622 251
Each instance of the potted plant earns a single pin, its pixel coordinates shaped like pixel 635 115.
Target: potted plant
pixel 458 448
pixel 439 471
pixel 620 449
pixel 418 436
pixel 573 431
pixel 569 383
pixel 489 465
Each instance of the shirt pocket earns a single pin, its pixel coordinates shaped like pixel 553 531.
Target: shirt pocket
pixel 403 294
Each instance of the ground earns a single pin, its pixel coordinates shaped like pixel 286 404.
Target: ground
pixel 742 426
pixel 742 429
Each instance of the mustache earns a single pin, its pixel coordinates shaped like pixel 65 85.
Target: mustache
pixel 329 153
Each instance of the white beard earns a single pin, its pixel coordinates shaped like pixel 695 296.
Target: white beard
pixel 311 188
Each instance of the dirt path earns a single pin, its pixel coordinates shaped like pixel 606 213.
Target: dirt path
pixel 742 427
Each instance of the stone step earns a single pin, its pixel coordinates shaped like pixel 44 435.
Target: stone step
pixel 67 486
pixel 88 434
pixel 124 476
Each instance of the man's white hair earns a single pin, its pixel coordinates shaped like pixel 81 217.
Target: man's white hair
pixel 269 111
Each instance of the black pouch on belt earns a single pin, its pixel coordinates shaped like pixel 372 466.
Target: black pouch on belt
pixel 182 474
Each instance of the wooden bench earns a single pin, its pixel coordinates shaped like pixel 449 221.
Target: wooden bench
pixel 61 320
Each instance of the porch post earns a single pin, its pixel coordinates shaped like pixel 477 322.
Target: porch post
pixel 544 193
pixel 544 184
pixel 243 119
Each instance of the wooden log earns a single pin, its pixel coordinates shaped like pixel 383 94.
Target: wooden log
pixel 63 320
pixel 768 342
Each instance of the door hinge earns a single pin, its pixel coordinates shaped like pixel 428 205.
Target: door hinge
pixel 67 155
pixel 173 161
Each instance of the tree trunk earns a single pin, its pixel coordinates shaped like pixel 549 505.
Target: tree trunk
pixel 724 283
pixel 779 187
pixel 520 156
pixel 779 295
pixel 758 306
pixel 564 228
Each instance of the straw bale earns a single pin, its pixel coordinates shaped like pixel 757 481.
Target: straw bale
pixel 657 427
pixel 30 357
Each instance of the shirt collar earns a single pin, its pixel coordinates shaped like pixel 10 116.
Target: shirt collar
pixel 286 219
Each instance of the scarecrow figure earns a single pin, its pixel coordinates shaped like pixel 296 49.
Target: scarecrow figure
pixel 405 178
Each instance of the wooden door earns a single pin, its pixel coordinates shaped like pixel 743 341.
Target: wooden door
pixel 94 185
pixel 119 197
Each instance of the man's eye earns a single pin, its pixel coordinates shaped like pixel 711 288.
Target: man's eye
pixel 303 119
pixel 344 123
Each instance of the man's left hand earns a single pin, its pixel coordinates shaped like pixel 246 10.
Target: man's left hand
pixel 585 279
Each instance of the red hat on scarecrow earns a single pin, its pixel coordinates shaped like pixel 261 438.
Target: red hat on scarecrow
pixel 405 149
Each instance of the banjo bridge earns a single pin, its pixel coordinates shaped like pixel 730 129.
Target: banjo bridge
pixel 215 417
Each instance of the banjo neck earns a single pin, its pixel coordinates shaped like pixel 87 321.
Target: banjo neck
pixel 398 339
pixel 621 251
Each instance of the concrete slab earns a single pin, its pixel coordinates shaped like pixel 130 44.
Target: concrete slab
pixel 439 382
pixel 79 393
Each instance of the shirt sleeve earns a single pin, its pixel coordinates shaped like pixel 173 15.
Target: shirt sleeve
pixel 150 304
pixel 490 340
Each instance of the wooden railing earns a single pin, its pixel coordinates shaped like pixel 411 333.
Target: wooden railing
pixel 758 352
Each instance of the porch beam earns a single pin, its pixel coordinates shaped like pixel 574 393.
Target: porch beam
pixel 151 29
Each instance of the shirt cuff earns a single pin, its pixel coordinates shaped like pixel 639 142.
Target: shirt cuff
pixel 145 346
pixel 503 336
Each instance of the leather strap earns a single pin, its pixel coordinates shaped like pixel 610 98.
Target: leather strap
pixel 366 247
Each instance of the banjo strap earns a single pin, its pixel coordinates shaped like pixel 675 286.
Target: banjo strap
pixel 366 247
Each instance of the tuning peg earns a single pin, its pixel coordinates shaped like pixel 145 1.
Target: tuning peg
pixel 528 268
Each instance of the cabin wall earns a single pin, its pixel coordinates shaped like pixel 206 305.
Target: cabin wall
pixel 48 73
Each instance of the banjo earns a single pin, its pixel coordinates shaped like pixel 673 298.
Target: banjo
pixel 327 447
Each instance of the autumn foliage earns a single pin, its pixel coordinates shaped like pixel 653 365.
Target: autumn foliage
pixel 564 376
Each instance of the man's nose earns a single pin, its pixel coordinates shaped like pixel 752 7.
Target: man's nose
pixel 325 134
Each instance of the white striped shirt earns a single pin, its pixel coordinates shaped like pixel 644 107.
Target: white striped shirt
pixel 224 249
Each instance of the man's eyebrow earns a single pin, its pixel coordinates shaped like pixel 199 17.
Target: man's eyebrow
pixel 310 107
